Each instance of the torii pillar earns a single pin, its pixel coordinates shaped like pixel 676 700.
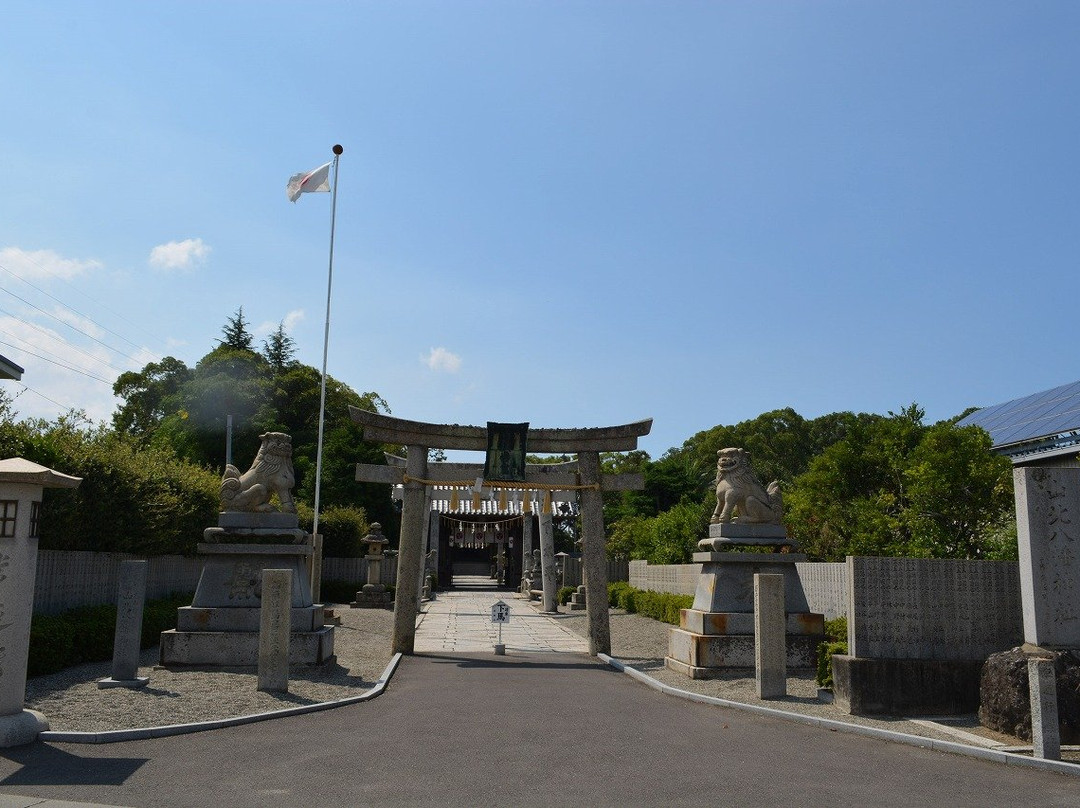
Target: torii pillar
pixel 420 437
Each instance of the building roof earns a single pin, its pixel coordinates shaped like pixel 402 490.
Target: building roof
pixel 9 370
pixel 1041 424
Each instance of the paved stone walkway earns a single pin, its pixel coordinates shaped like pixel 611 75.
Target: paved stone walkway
pixel 460 620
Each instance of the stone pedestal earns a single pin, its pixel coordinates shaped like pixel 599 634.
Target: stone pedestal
pixel 716 635
pixel 221 626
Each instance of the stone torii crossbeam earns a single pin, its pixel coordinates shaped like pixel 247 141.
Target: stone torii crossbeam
pixel 421 437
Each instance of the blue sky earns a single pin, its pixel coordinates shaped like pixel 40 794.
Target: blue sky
pixel 567 213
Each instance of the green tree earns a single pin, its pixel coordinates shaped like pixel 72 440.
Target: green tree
pixel 894 486
pixel 149 395
pixel 279 348
pixel 236 332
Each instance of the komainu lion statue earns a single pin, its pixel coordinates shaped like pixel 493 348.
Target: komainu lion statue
pixel 739 490
pixel 270 473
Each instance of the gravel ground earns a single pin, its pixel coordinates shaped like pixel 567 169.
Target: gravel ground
pixel 73 702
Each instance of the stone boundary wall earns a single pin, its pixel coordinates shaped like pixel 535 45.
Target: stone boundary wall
pixel 825 585
pixel 937 609
pixel 68 579
pixel 618 569
pixel 678 579
pixel 355 570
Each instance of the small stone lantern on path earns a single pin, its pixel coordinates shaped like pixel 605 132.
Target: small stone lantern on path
pixel 373 595
pixel 21 484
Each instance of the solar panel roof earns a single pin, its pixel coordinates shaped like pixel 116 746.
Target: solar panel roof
pixel 1038 416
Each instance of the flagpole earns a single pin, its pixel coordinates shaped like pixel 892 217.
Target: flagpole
pixel 326 345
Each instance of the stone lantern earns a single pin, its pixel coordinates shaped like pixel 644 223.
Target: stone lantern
pixel 373 595
pixel 21 485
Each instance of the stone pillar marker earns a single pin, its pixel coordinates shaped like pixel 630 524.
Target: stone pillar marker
pixel 130 597
pixel 547 563
pixel 1045 733
pixel 770 642
pixel 275 621
pixel 410 552
pixel 1048 537
pixel 21 484
pixel 594 554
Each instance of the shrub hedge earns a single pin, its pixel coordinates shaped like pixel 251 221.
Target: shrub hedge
pixel 58 641
pixel 662 606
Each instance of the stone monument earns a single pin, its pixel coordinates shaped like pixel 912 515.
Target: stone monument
pixel 373 594
pixel 221 626
pixel 21 485
pixel 717 633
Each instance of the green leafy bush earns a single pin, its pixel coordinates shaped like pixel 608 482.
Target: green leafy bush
pixel 825 653
pixel 836 629
pixel 342 528
pixel 58 641
pixel 565 593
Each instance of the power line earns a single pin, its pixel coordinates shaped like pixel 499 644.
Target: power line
pixel 38 328
pixel 73 328
pixel 52 274
pixel 58 364
pixel 26 388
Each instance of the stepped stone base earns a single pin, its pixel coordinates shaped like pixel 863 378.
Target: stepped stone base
pixel 373 596
pixel 241 648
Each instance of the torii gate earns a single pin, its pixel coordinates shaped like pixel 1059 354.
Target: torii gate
pixel 420 437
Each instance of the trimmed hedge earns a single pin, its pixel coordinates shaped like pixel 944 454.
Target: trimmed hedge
pixel 58 641
pixel 662 606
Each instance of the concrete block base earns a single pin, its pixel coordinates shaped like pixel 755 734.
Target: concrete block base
pixel 718 654
pixel 130 684
pixel 21 728
pixel 906 686
pixel 241 648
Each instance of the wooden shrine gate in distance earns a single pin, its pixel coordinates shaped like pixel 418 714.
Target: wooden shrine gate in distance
pixel 421 437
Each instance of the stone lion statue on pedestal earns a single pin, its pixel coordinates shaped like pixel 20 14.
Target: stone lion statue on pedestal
pixel 270 473
pixel 738 490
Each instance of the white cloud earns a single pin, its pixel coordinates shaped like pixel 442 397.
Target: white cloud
pixel 442 360
pixel 186 254
pixel 31 264
pixel 289 321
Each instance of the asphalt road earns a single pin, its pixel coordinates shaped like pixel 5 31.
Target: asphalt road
pixel 526 729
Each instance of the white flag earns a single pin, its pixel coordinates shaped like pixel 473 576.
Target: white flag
pixel 307 182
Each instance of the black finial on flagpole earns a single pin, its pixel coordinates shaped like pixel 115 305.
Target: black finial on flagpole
pixel 337 149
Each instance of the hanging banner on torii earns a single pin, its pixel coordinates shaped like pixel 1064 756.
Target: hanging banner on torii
pixel 506 451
